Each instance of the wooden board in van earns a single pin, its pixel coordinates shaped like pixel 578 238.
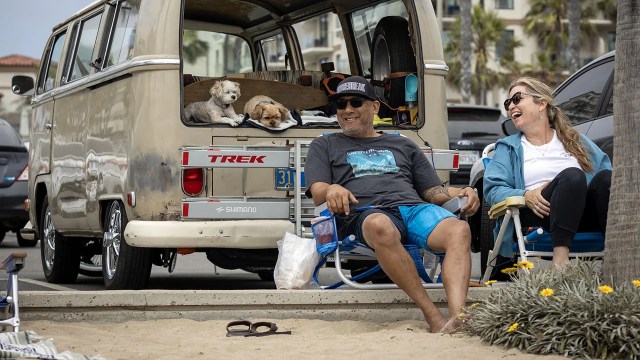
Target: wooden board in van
pixel 292 96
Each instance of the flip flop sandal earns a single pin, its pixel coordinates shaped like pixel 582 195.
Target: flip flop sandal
pixel 257 329
pixel 239 328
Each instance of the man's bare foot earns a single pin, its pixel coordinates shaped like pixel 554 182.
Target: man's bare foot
pixel 454 325
pixel 434 325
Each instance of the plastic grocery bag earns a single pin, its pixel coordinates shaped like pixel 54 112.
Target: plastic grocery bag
pixel 297 258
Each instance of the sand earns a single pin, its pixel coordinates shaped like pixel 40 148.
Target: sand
pixel 310 339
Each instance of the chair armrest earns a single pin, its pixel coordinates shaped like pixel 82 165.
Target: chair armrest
pixel 500 208
pixel 320 208
pixel 12 260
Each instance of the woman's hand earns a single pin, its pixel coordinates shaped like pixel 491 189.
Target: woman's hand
pixel 536 202
pixel 338 199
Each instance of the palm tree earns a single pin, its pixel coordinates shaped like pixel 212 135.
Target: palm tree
pixel 488 30
pixel 545 21
pixel 622 258
pixel 192 47
pixel 574 13
pixel 466 37
pixel 609 9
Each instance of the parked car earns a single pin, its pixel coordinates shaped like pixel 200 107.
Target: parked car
pixel 587 99
pixel 471 128
pixel 13 183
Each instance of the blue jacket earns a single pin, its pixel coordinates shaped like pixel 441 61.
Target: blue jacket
pixel 503 177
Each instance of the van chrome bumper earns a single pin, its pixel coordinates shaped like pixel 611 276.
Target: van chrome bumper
pixel 240 234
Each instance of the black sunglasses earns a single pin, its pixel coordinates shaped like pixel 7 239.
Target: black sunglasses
pixel 515 99
pixel 355 102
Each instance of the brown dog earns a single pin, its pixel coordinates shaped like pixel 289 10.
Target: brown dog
pixel 267 111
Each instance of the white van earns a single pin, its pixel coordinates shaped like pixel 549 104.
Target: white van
pixel 120 179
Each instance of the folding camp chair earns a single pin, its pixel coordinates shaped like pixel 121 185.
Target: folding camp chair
pixel 9 310
pixel 350 249
pixel 538 242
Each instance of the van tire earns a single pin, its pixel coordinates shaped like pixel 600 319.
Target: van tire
pixel 60 255
pixel 124 267
pixel 486 235
pixel 391 52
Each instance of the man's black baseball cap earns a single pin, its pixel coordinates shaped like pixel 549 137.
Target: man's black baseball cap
pixel 354 86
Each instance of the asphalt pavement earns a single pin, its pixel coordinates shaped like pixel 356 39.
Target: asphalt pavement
pixel 192 272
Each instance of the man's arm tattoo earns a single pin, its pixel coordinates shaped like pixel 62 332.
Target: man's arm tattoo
pixel 428 194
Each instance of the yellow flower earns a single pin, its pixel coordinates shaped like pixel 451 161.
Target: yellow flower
pixel 546 292
pixel 509 270
pixel 605 289
pixel 636 283
pixel 490 282
pixel 512 328
pixel 525 265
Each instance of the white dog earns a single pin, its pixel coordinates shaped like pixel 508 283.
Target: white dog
pixel 218 109
pixel 267 111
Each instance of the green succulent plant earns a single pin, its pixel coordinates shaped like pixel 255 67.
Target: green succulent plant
pixel 571 313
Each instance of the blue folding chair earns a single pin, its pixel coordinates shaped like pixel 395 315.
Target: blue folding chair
pixel 9 309
pixel 352 249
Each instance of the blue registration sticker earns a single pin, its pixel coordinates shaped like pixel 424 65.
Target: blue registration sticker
pixel 285 178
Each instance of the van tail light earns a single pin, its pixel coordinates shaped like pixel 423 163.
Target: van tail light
pixel 193 181
pixel 456 161
pixel 24 175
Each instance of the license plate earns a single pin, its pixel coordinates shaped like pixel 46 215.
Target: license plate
pixel 468 157
pixel 285 178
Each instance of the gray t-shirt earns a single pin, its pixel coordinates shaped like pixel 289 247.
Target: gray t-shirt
pixel 388 170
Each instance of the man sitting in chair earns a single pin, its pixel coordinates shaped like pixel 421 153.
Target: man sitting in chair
pixel 361 167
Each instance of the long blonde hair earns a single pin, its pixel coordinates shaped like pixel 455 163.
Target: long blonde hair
pixel 558 120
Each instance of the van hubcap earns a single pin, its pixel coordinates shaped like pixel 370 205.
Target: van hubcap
pixel 49 241
pixel 111 241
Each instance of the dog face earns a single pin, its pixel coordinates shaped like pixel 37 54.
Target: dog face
pixel 225 91
pixel 269 115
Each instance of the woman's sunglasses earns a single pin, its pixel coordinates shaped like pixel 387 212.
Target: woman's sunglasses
pixel 355 102
pixel 515 99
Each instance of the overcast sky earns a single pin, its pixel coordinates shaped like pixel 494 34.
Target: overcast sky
pixel 25 25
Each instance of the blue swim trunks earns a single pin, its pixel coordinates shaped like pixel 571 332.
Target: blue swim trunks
pixel 415 223
pixel 420 221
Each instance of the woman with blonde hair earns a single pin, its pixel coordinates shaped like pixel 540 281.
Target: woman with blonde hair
pixel 564 177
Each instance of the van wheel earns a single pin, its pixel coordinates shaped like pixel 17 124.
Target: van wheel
pixel 486 235
pixel 123 266
pixel 391 52
pixel 60 255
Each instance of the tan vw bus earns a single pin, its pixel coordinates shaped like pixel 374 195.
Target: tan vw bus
pixel 122 178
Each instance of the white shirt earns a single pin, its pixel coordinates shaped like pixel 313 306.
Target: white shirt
pixel 545 162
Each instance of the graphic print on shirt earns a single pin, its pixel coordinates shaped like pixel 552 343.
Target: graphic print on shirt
pixel 372 162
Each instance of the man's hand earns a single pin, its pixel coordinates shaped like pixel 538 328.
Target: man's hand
pixel 338 199
pixel 536 202
pixel 473 201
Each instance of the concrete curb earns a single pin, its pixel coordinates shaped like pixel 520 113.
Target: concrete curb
pixel 125 305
